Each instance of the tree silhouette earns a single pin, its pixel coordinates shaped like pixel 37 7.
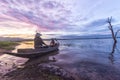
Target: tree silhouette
pixel 114 35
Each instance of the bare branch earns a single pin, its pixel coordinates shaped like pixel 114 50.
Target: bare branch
pixel 117 32
pixel 110 18
pixel 109 27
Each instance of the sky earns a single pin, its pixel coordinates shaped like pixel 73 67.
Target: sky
pixel 81 17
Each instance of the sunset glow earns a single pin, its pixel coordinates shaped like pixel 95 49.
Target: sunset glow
pixel 58 16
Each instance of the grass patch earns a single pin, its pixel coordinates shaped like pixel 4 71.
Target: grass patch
pixel 8 45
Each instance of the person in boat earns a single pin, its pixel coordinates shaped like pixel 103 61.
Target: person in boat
pixel 38 42
pixel 52 43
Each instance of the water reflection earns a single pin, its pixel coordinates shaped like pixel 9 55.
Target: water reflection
pixel 43 59
pixel 111 58
pixel 112 53
pixel 84 55
pixel 83 49
pixel 23 45
pixel 102 47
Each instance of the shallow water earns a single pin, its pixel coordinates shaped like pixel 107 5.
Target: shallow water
pixel 89 58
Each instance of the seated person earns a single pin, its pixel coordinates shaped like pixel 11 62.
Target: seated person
pixel 38 42
pixel 52 43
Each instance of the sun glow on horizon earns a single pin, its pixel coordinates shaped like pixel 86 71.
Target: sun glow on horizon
pixel 16 28
pixel 62 17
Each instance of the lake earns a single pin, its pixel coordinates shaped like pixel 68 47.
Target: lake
pixel 89 59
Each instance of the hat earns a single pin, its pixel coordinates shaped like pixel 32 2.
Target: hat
pixel 38 34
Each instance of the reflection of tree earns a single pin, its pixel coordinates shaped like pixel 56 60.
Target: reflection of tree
pixel 111 57
pixel 117 50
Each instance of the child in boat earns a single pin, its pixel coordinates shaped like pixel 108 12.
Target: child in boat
pixel 52 43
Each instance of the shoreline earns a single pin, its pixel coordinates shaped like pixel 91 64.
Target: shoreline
pixel 19 71
pixel 86 69
pixel 43 71
pixel 2 50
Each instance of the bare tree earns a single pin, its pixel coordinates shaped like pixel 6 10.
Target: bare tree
pixel 114 35
pixel 111 29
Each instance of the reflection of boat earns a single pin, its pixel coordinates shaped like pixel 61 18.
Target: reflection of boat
pixel 44 59
pixel 33 53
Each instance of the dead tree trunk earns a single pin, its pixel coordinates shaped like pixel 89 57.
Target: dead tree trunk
pixel 113 34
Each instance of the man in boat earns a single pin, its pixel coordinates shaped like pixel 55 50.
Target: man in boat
pixel 38 42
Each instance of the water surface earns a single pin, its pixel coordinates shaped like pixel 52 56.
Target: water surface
pixel 88 58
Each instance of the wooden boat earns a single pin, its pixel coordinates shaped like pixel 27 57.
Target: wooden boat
pixel 33 53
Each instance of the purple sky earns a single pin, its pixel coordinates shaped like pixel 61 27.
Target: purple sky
pixel 58 16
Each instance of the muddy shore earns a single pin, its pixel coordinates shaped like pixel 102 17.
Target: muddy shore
pixel 38 69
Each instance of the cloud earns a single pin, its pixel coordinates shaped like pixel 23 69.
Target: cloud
pixel 41 18
pixel 57 15
pixel 51 5
pixel 97 23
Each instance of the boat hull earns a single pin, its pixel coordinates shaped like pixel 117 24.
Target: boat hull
pixel 33 53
